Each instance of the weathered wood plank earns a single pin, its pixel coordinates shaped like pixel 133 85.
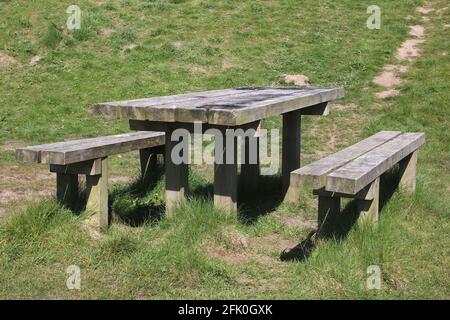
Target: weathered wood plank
pixel 408 172
pixel 358 173
pixel 225 176
pixel 63 153
pixel 250 171
pixel 67 189
pixel 148 159
pixel 229 107
pixel 290 159
pixel 177 175
pixel 89 167
pixel 97 196
pixel 329 209
pixel 314 174
pixel 369 209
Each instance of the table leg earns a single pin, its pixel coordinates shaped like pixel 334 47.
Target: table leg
pixel 250 171
pixel 225 175
pixel 176 176
pixel 291 146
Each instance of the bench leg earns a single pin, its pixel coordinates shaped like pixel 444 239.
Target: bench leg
pixel 149 160
pixel 328 214
pixel 292 195
pixel 176 177
pixel 97 195
pixel 290 146
pixel 250 171
pixel 369 209
pixel 408 173
pixel 67 189
pixel 225 178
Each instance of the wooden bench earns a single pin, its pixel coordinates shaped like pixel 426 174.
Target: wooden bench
pixel 354 172
pixel 89 157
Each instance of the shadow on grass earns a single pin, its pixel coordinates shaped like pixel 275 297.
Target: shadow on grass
pixel 253 205
pixel 138 203
pixel 346 220
pixel 264 200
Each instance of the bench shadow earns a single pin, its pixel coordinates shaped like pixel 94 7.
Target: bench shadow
pixel 341 228
pixel 347 219
pixel 388 186
pixel 122 204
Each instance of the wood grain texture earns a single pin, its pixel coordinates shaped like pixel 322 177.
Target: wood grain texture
pixel 358 173
pixel 290 156
pixel 228 107
pixel 63 153
pixel 408 166
pixel 314 174
pixel 369 209
pixel 177 177
pixel 97 196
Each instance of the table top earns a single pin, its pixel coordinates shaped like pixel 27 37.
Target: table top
pixel 220 107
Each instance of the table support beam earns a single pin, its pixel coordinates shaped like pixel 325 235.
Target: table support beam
pixel 176 174
pixel 225 174
pixel 291 146
pixel 250 171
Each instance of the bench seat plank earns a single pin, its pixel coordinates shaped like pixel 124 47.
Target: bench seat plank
pixel 358 173
pixel 63 153
pixel 314 174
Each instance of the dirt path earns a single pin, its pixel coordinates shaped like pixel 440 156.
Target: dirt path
pixel 406 55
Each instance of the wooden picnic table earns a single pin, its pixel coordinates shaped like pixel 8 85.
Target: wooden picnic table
pixel 223 109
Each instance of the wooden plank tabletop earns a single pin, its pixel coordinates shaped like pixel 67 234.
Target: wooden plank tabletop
pixel 221 107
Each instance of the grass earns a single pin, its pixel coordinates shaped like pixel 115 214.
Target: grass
pixel 201 252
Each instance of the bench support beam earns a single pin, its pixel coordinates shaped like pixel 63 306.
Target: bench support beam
pixel 408 173
pixel 149 160
pixel 328 209
pixel 97 196
pixel 369 209
pixel 67 189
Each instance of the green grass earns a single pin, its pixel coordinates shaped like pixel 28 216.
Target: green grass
pixel 201 252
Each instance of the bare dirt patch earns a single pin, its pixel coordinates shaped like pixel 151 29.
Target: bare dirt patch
pixel 198 69
pixel 348 106
pixel 237 257
pixel 106 32
pixel 6 60
pixel 424 10
pixel 387 93
pixel 298 222
pixel 296 79
pixel 237 248
pixel 417 31
pixel 273 242
pixel 130 46
pixel 387 79
pixel 408 50
pixel 21 184
pixel 441 10
pixel 35 59
pixel 120 179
